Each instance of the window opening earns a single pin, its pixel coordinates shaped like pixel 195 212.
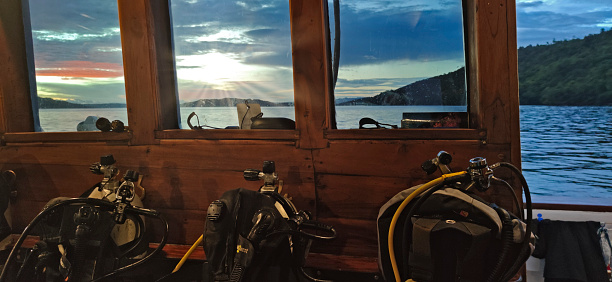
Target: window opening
pixel 401 60
pixel 230 56
pixel 78 63
pixel 565 95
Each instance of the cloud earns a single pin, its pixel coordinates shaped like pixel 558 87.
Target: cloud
pixel 541 22
pixel 400 34
pixel 80 69
pixel 369 87
pixel 245 30
pixel 85 91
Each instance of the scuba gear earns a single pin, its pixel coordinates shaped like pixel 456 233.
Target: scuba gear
pixel 442 231
pixel 104 207
pixel 259 235
pixel 85 239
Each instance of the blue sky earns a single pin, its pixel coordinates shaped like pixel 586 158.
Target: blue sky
pixel 242 48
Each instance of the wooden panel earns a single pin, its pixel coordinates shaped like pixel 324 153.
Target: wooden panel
pixel 412 134
pixel 354 238
pixel 356 197
pixel 200 154
pixel 399 158
pixel 259 134
pixel 311 74
pixel 40 137
pixel 17 81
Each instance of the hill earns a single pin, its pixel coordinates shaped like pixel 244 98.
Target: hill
pixel 49 103
pixel 446 89
pixel 232 102
pixel 569 72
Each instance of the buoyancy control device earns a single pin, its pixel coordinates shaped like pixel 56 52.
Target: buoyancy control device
pixel 91 238
pixel 259 235
pixel 443 231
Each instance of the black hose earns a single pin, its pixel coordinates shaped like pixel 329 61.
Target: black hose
pixel 506 243
pixel 303 234
pixel 310 277
pixel 90 201
pixel 517 203
pixel 80 250
pixel 27 260
pixel 526 250
pixel 141 232
pixel 37 218
pixel 159 248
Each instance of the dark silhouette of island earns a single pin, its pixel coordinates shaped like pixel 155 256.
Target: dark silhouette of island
pixel 49 103
pixel 447 89
pixel 232 102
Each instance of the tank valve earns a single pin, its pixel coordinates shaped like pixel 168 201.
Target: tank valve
pixel 480 173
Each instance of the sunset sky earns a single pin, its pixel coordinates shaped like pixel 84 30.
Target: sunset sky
pixel 242 48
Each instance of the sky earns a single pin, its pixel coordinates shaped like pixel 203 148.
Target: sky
pixel 242 48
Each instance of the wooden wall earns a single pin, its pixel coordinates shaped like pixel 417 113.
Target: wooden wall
pixel 343 176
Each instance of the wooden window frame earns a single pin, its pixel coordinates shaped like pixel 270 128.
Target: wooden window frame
pixel 151 94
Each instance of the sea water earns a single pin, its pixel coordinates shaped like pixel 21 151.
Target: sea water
pixel 566 151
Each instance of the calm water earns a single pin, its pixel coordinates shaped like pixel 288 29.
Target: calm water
pixel 566 150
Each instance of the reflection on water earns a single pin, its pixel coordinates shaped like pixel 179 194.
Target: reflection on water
pixel 566 150
pixel 566 153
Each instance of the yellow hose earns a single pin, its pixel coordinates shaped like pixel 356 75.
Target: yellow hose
pixel 188 253
pixel 399 210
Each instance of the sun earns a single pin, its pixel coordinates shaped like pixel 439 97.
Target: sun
pixel 213 68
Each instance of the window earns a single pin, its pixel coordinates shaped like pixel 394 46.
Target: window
pixel 79 65
pixel 401 60
pixel 229 52
pixel 565 95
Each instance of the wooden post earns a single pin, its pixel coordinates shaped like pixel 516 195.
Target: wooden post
pixel 18 99
pixel 311 72
pixel 147 61
pixel 498 74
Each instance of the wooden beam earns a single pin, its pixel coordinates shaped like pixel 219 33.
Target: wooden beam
pixel 497 71
pixel 161 26
pixel 18 102
pixel 83 136
pixel 311 74
pixel 142 85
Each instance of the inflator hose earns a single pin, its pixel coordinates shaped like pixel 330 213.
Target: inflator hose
pixel 188 253
pixel 90 201
pixel 526 251
pixel 507 239
pixel 438 181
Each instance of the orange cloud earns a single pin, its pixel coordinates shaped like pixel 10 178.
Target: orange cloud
pixel 79 69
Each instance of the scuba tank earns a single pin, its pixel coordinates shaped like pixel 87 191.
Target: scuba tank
pixel 90 238
pixel 107 190
pixel 443 231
